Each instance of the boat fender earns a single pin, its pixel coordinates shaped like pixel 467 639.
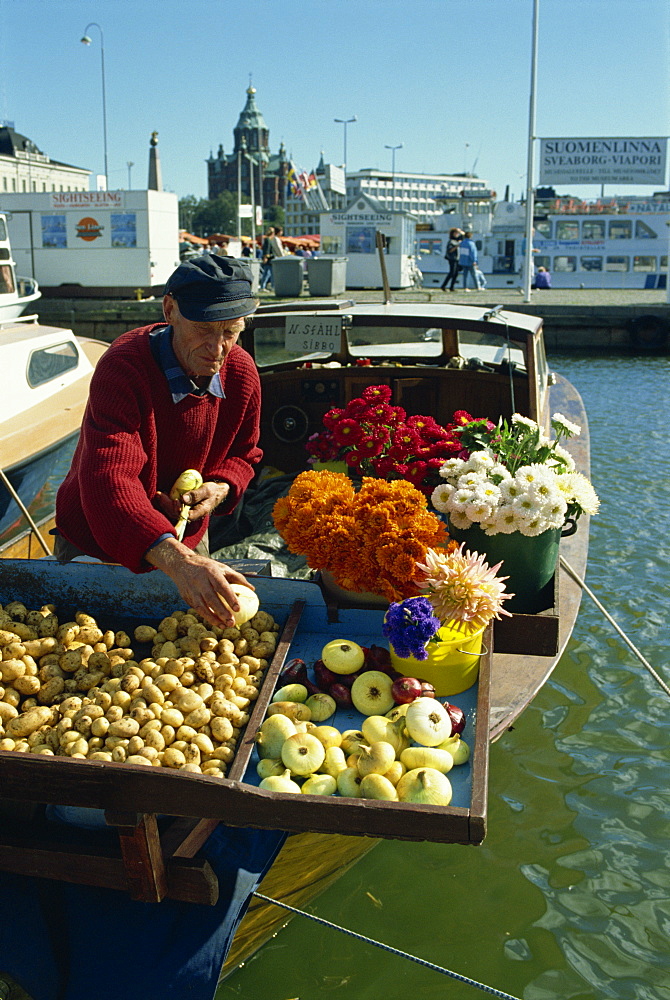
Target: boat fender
pixel 648 331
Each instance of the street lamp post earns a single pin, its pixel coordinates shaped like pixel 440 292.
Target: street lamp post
pixel 87 41
pixel 393 149
pixel 345 122
pixel 130 164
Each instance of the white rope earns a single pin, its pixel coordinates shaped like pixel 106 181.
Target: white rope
pixel 645 663
pixel 387 947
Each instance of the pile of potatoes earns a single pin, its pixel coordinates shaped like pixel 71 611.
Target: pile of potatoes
pixel 71 689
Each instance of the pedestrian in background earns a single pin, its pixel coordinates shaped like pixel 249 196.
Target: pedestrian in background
pixel 467 258
pixel 451 256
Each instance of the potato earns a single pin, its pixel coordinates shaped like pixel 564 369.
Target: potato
pixel 25 724
pixel 124 727
pixel 145 633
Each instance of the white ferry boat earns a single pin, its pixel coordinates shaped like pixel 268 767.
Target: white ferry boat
pixel 610 243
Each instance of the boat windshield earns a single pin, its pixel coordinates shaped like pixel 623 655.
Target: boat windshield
pixel 395 342
pixel 316 341
pixel 424 345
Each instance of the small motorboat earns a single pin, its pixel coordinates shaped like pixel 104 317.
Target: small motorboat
pixel 47 374
pixel 16 293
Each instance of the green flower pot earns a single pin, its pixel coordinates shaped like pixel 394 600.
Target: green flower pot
pixel 529 562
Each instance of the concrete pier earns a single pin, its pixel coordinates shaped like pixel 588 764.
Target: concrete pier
pixel 574 319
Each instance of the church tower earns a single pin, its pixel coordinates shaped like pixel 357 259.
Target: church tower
pixel 251 139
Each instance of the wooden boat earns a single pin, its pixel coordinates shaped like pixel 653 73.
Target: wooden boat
pixel 436 360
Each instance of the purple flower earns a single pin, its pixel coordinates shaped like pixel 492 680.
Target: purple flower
pixel 409 625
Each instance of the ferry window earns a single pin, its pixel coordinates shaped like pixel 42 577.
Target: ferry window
pixel 50 362
pixel 621 230
pixel 591 263
pixel 617 264
pixel 593 230
pixel 565 263
pixel 645 263
pixel 430 246
pixel 664 263
pixel 543 229
pixel 541 261
pixel 567 230
pixel 3 230
pixel 644 232
pixel 6 279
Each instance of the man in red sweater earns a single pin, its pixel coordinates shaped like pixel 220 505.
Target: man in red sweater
pixel 165 398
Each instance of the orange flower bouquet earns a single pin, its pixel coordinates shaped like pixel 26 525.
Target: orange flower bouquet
pixel 370 540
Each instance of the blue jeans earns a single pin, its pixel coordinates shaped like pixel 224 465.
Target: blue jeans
pixel 266 274
pixel 469 269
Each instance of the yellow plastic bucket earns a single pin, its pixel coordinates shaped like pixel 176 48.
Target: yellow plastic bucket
pixel 453 661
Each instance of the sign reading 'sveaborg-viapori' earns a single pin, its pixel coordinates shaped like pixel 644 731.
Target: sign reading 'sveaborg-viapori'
pixel 603 161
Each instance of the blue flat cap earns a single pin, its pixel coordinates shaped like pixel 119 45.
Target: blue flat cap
pixel 212 288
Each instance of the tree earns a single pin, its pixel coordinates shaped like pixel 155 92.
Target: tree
pixel 216 216
pixel 274 216
pixel 187 206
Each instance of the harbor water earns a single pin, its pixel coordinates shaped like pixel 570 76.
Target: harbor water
pixel 568 898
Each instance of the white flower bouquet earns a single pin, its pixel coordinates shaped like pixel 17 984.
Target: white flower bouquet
pixel 512 477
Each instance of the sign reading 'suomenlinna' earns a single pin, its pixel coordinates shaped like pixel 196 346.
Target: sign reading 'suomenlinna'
pixel 603 161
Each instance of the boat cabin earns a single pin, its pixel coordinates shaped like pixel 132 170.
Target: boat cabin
pixel 436 359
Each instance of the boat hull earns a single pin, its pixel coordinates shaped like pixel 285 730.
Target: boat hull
pixel 28 479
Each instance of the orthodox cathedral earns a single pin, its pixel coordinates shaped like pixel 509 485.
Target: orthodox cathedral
pixel 250 158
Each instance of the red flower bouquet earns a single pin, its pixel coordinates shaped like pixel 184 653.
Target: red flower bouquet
pixel 377 439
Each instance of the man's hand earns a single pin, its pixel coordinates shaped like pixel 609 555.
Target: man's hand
pixel 203 583
pixel 201 501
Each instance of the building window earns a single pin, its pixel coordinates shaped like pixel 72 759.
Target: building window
pixel 644 263
pixel 23 184
pixel 4 183
pixel 13 183
pixel 617 264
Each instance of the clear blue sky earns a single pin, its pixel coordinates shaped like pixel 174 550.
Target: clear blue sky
pixel 447 78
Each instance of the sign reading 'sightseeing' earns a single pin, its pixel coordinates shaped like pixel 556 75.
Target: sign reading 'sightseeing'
pixel 603 161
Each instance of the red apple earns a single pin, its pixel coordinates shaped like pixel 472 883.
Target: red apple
pixel 405 689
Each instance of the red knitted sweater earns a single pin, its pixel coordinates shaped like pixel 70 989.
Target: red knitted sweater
pixel 135 441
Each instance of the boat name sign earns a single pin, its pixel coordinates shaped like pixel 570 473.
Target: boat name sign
pixel 311 334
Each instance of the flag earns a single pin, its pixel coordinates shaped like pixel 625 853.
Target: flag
pixel 301 184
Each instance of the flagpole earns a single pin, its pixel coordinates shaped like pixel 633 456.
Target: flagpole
pixel 530 171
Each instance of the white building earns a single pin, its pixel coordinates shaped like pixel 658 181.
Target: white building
pixel 24 169
pixel 95 243
pixel 420 194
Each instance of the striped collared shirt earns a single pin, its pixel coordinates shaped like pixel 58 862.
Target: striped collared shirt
pixel 180 384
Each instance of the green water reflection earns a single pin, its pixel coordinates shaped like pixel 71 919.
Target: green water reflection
pixel 569 895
